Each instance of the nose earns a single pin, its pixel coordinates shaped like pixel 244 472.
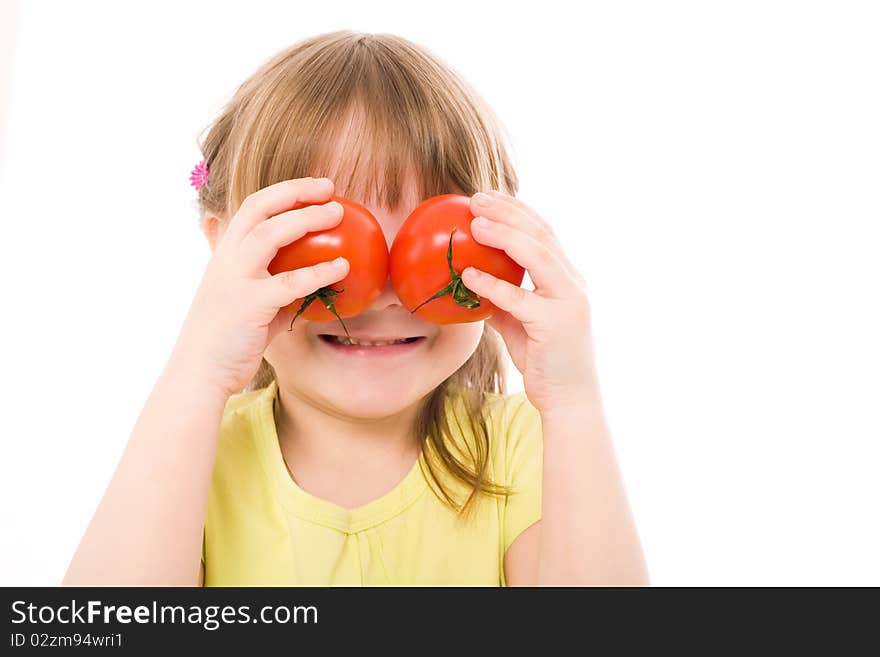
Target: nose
pixel 388 297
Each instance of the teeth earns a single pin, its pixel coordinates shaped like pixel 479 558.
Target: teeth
pixel 351 341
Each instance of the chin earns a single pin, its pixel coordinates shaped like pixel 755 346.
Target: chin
pixel 369 400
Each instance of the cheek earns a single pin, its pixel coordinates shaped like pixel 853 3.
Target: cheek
pixel 288 347
pixel 455 343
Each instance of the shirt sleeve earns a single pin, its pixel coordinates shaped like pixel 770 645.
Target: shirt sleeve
pixel 524 466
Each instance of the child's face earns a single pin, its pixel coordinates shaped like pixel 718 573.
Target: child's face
pixel 370 384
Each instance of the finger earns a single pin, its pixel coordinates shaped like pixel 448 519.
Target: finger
pixel 503 322
pixel 512 332
pixel 523 304
pixel 514 212
pixel 501 208
pixel 550 276
pixel 286 287
pixel 494 193
pixel 277 198
pixel 262 243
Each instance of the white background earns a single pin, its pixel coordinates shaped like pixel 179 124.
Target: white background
pixel 711 167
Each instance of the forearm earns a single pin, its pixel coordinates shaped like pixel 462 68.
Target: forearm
pixel 147 529
pixel 588 535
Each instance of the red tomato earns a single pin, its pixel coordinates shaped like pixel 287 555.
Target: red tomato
pixel 420 268
pixel 359 239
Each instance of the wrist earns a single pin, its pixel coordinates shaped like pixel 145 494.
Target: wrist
pixel 194 375
pixel 575 402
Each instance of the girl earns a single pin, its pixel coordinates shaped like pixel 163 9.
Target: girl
pixel 287 460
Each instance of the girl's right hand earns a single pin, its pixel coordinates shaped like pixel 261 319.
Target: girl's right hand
pixel 236 311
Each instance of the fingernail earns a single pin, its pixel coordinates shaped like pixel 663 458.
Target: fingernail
pixel 483 200
pixel 481 222
pixel 339 262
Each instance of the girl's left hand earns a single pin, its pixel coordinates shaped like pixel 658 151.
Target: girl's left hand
pixel 546 330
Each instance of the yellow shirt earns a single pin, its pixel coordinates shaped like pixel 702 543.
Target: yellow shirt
pixel 262 529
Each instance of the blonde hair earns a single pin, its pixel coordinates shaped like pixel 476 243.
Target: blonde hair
pixel 394 108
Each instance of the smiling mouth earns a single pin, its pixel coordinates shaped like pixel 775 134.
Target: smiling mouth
pixel 345 341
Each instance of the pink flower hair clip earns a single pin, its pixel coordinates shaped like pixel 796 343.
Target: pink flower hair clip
pixel 199 175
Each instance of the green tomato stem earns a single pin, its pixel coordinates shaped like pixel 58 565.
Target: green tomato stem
pixel 327 295
pixel 461 294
